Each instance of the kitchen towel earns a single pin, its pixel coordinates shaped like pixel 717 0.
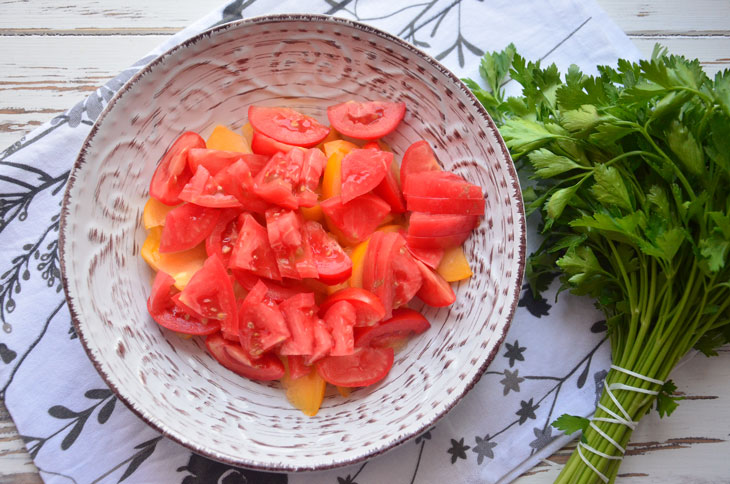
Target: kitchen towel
pixel 553 360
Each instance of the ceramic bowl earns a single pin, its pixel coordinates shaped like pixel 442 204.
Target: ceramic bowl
pixel 306 62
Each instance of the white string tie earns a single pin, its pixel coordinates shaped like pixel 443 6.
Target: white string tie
pixel 615 418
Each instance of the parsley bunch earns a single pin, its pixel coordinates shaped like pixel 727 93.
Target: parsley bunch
pixel 630 176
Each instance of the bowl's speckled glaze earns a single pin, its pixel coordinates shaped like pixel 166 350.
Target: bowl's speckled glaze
pixel 306 62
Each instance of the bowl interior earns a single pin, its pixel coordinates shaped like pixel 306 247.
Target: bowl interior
pixel 307 63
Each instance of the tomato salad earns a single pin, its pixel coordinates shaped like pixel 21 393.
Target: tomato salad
pixel 294 247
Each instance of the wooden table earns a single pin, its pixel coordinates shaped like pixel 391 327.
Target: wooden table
pixel 53 53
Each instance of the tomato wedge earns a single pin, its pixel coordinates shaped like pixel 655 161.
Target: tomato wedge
pixel 312 168
pixel 439 225
pixel 463 206
pixel 234 358
pixel 362 171
pixel 360 369
pixel 236 180
pixel 277 291
pixel 300 313
pixel 357 219
pixel 323 342
pixel 186 226
pixel 252 251
pixel 366 120
pixel 435 291
pixel 368 308
pixel 340 318
pixel 291 249
pixel 418 157
pixel 263 145
pixel 333 264
pixel 430 257
pixel 210 295
pixel 172 173
pixel 404 323
pixel 261 323
pixel 287 125
pixel 377 275
pixel 442 184
pixel 216 160
pixel 407 279
pixel 203 190
pixel 165 313
pixel 444 242
pixel 222 239
pixel 297 367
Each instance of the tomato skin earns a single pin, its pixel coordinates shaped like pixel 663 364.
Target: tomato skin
pixel 435 291
pixel 216 160
pixel 232 356
pixel 363 171
pixel 261 323
pixel 277 291
pixel 357 219
pixel 203 190
pixel 263 145
pixel 312 169
pixel 430 257
pixel 236 180
pixel 252 251
pixel 297 367
pixel 389 190
pixel 362 368
pixel 340 318
pixel 168 315
pixel 333 264
pixel 418 157
pixel 186 226
pixel 368 308
pixel 404 323
pixel 366 120
pixel 444 242
pixel 441 184
pixel 172 172
pixel 439 225
pixel 300 315
pixel 322 342
pixel 407 279
pixel 286 125
pixel 459 206
pixel 377 276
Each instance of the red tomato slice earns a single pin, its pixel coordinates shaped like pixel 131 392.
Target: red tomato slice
pixel 172 173
pixel 439 225
pixel 462 206
pixel 203 190
pixel 277 291
pixel 236 180
pixel 366 120
pixel 445 242
pixel 435 291
pixel 441 184
pixel 404 323
pixel 216 160
pixel 357 219
pixel 210 294
pixel 333 264
pixel 287 125
pixel 377 275
pixel 252 251
pixel 261 323
pixel 362 171
pixel 222 239
pixel 407 277
pixel 263 145
pixel 280 177
pixel 389 190
pixel 170 316
pixel 233 357
pixel 430 257
pixel 297 367
pixel 300 313
pixel 368 308
pixel 323 342
pixel 367 366
pixel 340 318
pixel 186 226
pixel 419 157
pixel 312 169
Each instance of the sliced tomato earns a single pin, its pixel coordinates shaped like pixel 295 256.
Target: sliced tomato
pixel 418 157
pixel 445 242
pixel 377 275
pixel 430 257
pixel 340 318
pixel 435 291
pixel 389 190
pixel 263 145
pixel 300 313
pixel 357 219
pixel 362 171
pixel 442 184
pixel 333 264
pixel 261 323
pixel 186 226
pixel 172 172
pixel 368 308
pixel 439 225
pixel 168 315
pixel 358 263
pixel 277 291
pixel 203 190
pixel 287 125
pixel 366 120
pixel 407 277
pixel 232 356
pixel 216 160
pixel 360 369
pixel 210 294
pixel 252 251
pixel 236 180
pixel 222 138
pixel 454 266
pixel 291 248
pixel 280 177
pixel 154 213
pixel 463 206
pixel 322 344
pixel 404 323
pixel 312 169
pixel 297 367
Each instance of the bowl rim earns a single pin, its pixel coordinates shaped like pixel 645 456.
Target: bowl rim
pixel 272 19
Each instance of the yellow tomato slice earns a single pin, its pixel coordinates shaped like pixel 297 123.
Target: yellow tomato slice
pixel 389 228
pixel 344 391
pixel 224 139
pixel 180 265
pixel 331 136
pixel 305 393
pixel 247 131
pixel 312 213
pixel 454 266
pixel 358 263
pixel 332 178
pixel 154 213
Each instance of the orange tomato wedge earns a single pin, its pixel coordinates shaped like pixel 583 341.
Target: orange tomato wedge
pixel 224 139
pixel 390 228
pixel 305 393
pixel 332 178
pixel 154 213
pixel 247 131
pixel 454 266
pixel 331 136
pixel 344 391
pixel 358 259
pixel 180 265
pixel 312 213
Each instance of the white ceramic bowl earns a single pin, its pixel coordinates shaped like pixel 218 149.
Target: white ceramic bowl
pixel 306 62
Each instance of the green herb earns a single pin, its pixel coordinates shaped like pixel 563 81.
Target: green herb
pixel 629 170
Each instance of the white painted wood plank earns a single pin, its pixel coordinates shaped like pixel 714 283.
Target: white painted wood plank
pixel 713 52
pixel 680 17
